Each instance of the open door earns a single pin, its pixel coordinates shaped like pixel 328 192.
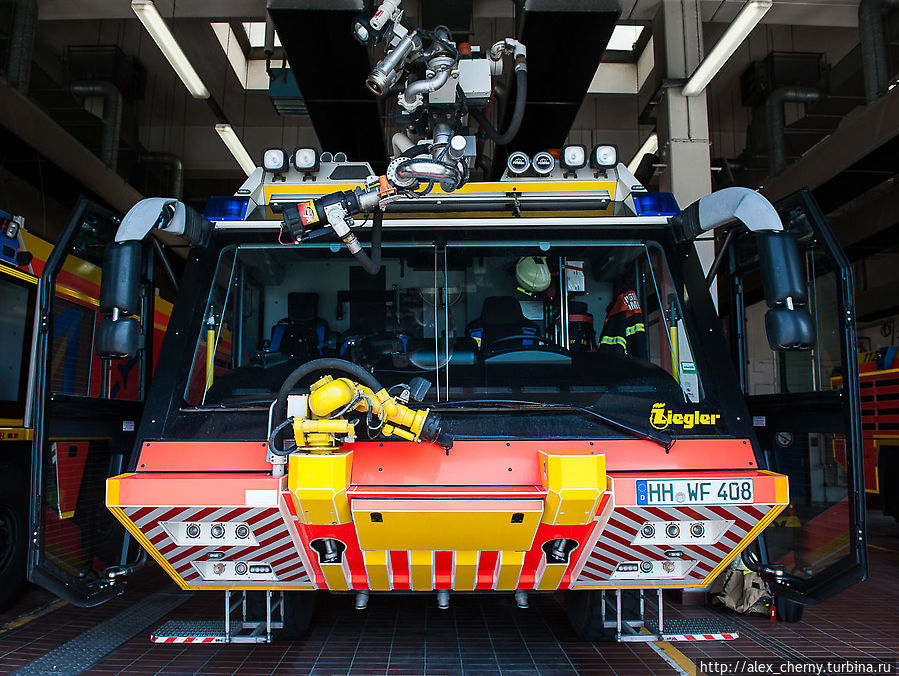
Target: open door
pixel 84 413
pixel 806 413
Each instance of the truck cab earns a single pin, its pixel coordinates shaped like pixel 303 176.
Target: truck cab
pixel 528 390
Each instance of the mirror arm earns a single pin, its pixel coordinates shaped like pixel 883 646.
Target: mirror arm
pixel 723 208
pixel 719 258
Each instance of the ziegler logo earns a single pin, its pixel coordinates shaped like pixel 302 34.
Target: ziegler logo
pixel 661 418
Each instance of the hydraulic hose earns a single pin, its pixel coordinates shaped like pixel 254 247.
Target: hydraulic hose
pixel 521 92
pixel 325 364
pixel 372 264
pixel 411 170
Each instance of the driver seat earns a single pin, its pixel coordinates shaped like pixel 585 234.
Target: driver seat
pixel 302 334
pixel 501 316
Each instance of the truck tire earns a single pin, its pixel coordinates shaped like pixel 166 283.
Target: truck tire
pixel 585 612
pixel 299 608
pixel 787 610
pixel 13 533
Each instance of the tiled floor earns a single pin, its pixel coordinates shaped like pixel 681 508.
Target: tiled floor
pixel 478 635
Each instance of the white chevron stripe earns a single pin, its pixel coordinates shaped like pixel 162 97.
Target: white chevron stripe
pixel 632 518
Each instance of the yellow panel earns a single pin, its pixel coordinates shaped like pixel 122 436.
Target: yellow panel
pixel 465 571
pixel 510 564
pixel 376 568
pixel 318 484
pixel 335 577
pixel 442 525
pixel 552 576
pixel 15 433
pixel 781 490
pixel 420 570
pixel 574 484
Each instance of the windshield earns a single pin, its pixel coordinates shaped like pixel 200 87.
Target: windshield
pixel 482 322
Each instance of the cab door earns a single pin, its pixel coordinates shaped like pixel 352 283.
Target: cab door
pixel 806 413
pixel 84 413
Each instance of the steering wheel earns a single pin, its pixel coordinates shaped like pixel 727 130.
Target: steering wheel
pixel 524 336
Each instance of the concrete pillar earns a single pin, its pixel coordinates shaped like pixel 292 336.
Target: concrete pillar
pixel 683 123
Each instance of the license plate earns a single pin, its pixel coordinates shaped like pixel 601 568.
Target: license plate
pixel 695 492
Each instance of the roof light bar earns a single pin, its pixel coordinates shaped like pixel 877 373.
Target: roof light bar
pixel 650 145
pixel 149 16
pixel 742 25
pixel 229 138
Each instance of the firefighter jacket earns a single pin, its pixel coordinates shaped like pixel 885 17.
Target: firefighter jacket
pixel 623 329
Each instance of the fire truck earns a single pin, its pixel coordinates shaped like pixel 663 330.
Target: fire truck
pixel 879 395
pixel 418 383
pixel 73 370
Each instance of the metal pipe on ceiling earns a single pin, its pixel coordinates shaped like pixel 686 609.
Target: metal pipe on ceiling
pixel 176 170
pixel 21 45
pixel 875 65
pixel 112 116
pixel 776 122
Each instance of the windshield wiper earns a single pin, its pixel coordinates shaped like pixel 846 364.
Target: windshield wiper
pixel 521 405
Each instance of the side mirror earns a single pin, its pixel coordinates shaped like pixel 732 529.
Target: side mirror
pixel 118 335
pixel 118 340
pixel 788 324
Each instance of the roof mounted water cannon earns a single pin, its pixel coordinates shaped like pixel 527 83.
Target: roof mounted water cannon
pixel 441 87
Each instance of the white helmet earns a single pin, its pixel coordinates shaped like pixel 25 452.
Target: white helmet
pixel 532 273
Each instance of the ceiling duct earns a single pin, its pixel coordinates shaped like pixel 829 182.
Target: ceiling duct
pixel 175 171
pixel 21 45
pixel 776 122
pixel 285 93
pixel 875 64
pixel 112 116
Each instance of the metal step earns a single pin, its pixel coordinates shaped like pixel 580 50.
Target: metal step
pixel 209 631
pixel 196 631
pixel 693 629
pixel 231 629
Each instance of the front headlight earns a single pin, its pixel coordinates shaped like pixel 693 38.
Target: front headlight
pixel 573 156
pixel 604 156
pixel 274 159
pixel 305 159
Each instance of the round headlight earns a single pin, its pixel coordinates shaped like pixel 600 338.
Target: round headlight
pixel 217 531
pixel 518 163
pixel 543 163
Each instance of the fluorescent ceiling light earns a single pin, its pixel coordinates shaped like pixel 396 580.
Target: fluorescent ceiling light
pixel 650 145
pixel 149 16
pixel 229 137
pixel 255 31
pixel 624 37
pixel 742 25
